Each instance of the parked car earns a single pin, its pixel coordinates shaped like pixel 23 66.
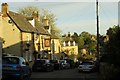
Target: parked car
pixel 42 65
pixel 15 67
pixel 86 66
pixel 56 64
pixel 65 64
pixel 71 62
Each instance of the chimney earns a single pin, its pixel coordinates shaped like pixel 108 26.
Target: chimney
pixel 4 9
pixel 69 35
pixel 45 21
pixel 46 24
pixel 36 16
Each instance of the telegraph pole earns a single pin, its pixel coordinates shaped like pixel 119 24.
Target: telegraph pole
pixel 97 15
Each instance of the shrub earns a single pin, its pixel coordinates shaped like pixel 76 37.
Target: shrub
pixel 108 71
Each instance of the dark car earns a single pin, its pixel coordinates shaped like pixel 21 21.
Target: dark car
pixel 15 67
pixel 56 64
pixel 42 65
pixel 71 62
pixel 65 64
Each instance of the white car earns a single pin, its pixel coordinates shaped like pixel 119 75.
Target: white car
pixel 86 66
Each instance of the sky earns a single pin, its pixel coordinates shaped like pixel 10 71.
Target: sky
pixel 77 16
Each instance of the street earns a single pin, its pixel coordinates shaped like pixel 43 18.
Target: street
pixel 68 73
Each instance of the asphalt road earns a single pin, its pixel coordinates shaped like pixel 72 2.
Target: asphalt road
pixel 69 73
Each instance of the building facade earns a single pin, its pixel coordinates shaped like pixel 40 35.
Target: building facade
pixel 26 36
pixel 17 32
pixel 69 46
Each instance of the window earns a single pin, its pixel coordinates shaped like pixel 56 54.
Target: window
pixel 64 44
pixel 10 60
pixel 74 43
pixel 69 43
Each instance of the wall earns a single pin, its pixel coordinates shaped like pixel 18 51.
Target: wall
pixel 11 35
pixel 75 48
pixel 28 47
pixel 0 59
pixel 57 46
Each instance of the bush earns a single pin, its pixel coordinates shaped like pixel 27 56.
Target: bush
pixel 109 71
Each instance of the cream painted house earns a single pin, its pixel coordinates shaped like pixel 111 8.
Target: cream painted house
pixel 1 42
pixel 42 38
pixel 54 40
pixel 25 35
pixel 69 46
pixel 55 47
pixel 17 32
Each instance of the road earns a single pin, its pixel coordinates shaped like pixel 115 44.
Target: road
pixel 69 73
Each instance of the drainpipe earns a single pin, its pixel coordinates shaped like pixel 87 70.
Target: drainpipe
pixel 33 41
pixel 21 44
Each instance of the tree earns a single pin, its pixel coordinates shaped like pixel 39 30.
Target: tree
pixel 28 11
pixel 112 47
pixel 87 38
pixel 80 42
pixel 75 36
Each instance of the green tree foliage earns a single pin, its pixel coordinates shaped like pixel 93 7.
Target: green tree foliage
pixel 84 40
pixel 87 38
pixel 80 41
pixel 113 46
pixel 75 37
pixel 88 41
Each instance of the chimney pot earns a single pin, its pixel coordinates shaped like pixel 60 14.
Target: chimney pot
pixel 46 21
pixel 35 15
pixel 4 9
pixel 69 34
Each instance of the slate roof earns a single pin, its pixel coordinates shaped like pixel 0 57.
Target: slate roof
pixel 41 29
pixel 67 39
pixel 53 36
pixel 21 22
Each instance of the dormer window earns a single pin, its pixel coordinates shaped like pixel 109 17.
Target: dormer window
pixel 74 43
pixel 32 22
pixel 69 43
pixel 64 44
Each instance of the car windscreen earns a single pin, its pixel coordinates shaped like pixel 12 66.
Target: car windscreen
pixel 53 61
pixel 62 61
pixel 10 60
